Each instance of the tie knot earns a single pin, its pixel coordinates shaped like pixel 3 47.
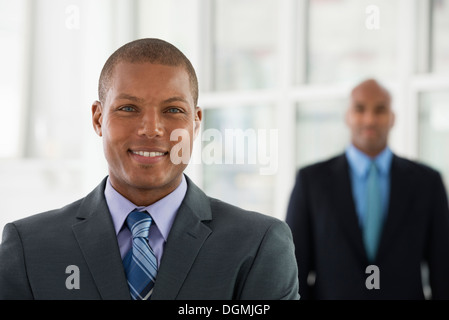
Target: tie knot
pixel 139 223
pixel 373 168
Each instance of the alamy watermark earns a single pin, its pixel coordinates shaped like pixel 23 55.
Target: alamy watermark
pixel 235 146
pixel 72 20
pixel 372 21
pixel 373 280
pixel 73 280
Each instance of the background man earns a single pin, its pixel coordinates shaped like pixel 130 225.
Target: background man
pixel 369 206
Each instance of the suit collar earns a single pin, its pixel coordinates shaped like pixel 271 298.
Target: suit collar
pixel 98 243
pixel 344 204
pixel 187 236
pixel 400 195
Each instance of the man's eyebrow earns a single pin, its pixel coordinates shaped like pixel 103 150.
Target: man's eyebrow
pixel 126 96
pixel 176 99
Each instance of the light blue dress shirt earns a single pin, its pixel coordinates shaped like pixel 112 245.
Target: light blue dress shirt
pixel 163 213
pixel 359 164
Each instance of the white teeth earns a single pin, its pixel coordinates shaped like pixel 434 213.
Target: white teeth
pixel 148 154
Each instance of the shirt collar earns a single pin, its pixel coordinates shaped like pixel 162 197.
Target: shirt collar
pixel 162 211
pixel 359 162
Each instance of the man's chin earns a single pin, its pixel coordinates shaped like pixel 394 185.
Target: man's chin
pixel 372 148
pixel 154 181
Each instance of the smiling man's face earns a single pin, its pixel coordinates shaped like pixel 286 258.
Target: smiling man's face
pixel 144 104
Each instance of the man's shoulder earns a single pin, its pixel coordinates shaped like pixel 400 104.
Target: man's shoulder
pixel 323 168
pixel 234 218
pixel 328 162
pixel 221 206
pixel 65 215
pixel 415 168
pixel 203 205
pixel 54 218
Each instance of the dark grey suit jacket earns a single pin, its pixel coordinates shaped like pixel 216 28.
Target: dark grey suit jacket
pixel 214 251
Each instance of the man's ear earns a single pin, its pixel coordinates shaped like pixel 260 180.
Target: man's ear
pixel 347 117
pixel 97 117
pixel 393 119
pixel 197 123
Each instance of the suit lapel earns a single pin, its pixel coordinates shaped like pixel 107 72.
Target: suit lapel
pixel 184 242
pixel 97 240
pixel 399 199
pixel 343 201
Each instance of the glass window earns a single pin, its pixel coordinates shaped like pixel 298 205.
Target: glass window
pixel 433 131
pixel 12 38
pixel 55 98
pixel 351 38
pixel 440 58
pixel 239 156
pixel 244 49
pixel 320 131
pixel 170 20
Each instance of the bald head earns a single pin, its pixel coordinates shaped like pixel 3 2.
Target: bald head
pixel 370 117
pixel 148 50
pixel 373 89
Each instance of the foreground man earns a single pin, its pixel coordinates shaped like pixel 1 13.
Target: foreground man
pixel 147 232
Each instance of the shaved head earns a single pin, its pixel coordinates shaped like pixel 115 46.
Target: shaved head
pixel 370 117
pixel 371 87
pixel 148 50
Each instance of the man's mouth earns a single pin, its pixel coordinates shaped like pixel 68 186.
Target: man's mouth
pixel 370 131
pixel 149 154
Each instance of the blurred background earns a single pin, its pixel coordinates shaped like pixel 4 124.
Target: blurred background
pixel 283 65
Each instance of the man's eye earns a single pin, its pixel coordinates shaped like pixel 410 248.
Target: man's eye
pixel 359 108
pixel 174 110
pixel 127 108
pixel 381 109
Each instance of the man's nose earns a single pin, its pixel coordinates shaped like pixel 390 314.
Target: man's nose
pixel 151 124
pixel 369 118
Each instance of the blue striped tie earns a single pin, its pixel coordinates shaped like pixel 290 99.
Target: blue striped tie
pixel 140 263
pixel 373 222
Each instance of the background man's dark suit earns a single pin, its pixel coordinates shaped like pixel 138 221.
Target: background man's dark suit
pixel 207 256
pixel 328 239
